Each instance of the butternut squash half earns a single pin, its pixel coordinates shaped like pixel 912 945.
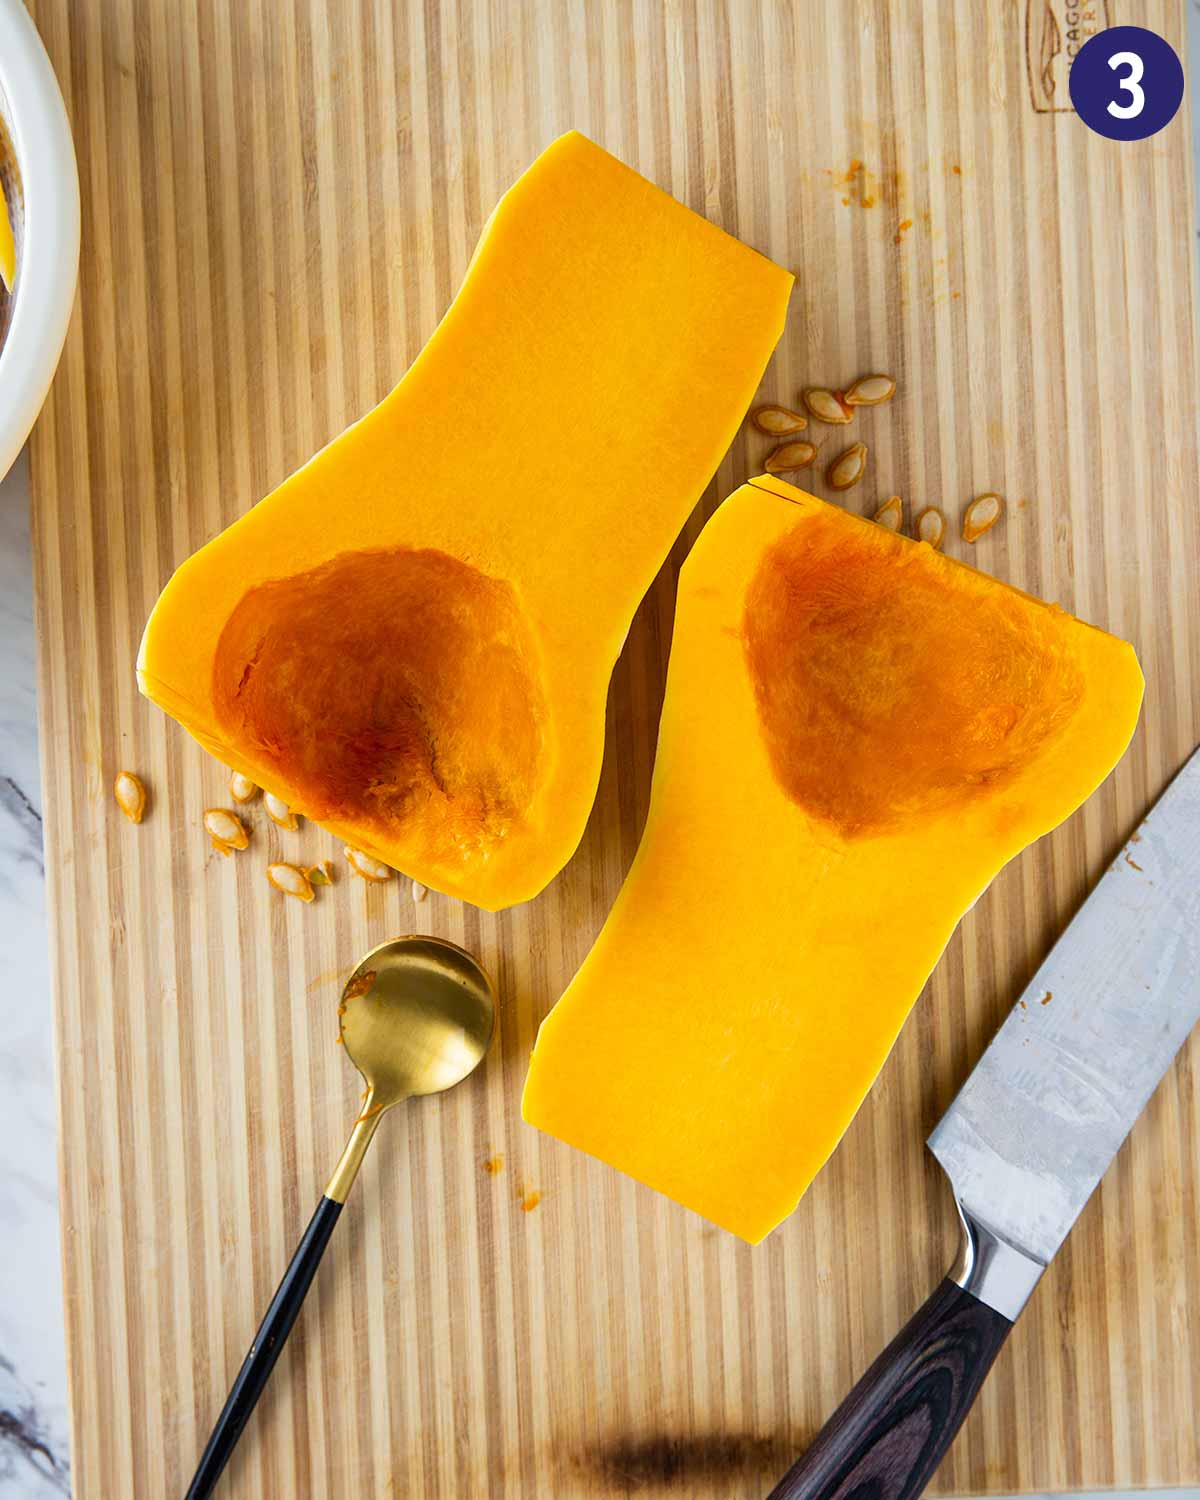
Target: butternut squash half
pixel 857 734
pixel 410 640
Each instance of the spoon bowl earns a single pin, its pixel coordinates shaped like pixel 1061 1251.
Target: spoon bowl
pixel 416 1017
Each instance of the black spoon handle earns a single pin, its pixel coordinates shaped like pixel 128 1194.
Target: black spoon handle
pixel 264 1351
pixel 893 1429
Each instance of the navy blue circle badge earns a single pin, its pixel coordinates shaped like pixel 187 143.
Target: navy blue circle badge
pixel 1126 83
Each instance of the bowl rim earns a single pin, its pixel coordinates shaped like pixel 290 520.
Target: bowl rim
pixel 36 119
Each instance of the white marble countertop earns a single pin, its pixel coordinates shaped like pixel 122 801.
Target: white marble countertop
pixel 34 1456
pixel 34 1459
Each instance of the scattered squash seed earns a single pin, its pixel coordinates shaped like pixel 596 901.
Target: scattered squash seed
pixel 130 794
pixel 368 867
pixel 241 788
pixel 291 880
pixel 931 526
pixel 790 456
pixel 280 813
pixel 890 514
pixel 777 421
pixel 827 406
pixel 981 515
pixel 419 891
pixel 870 390
pixel 321 874
pixel 848 467
pixel 225 829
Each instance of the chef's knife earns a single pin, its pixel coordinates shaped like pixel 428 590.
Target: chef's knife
pixel 1024 1144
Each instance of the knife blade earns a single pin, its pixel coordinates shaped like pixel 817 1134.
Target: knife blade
pixel 1024 1144
pixel 1045 1110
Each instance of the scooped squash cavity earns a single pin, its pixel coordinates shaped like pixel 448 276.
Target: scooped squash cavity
pixel 410 640
pixel 858 732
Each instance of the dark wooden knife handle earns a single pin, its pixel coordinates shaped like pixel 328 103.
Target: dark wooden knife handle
pixel 892 1430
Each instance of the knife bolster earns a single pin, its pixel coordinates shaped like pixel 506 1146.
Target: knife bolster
pixel 991 1269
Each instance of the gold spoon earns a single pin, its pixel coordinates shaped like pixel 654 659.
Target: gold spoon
pixel 416 1017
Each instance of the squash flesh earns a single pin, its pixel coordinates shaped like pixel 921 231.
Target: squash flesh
pixel 8 247
pixel 601 325
pixel 757 965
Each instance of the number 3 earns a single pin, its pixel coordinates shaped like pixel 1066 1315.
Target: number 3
pixel 1129 85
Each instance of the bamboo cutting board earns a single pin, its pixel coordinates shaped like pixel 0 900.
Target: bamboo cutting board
pixel 279 201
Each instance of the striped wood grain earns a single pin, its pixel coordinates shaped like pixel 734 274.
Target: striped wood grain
pixel 280 197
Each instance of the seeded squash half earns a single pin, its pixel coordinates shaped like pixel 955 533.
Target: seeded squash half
pixel 410 640
pixel 857 734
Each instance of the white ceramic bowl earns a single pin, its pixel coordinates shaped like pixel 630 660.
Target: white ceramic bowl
pixel 43 196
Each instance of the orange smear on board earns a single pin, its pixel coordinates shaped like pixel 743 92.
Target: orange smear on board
pixel 860 186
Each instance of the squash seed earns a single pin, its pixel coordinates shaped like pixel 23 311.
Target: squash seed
pixel 368 867
pixel 931 526
pixel 291 880
pixel 827 406
pixel 130 795
pixel 981 515
pixel 321 874
pixel 419 891
pixel 790 456
pixel 871 390
pixel 225 829
pixel 241 788
pixel 848 467
pixel 890 514
pixel 280 813
pixel 777 421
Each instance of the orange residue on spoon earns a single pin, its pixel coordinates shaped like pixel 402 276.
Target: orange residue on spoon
pixel 356 987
